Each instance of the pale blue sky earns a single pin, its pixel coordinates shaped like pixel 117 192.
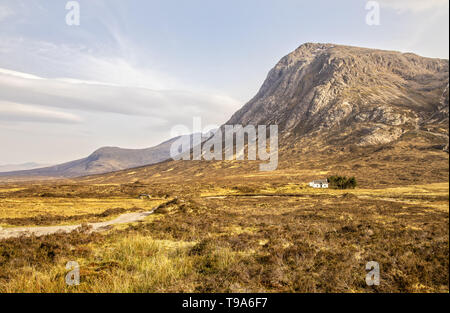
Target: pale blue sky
pixel 133 69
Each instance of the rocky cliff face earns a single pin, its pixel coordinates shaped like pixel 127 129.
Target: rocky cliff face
pixel 350 95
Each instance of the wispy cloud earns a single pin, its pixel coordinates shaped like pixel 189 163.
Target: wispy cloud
pixel 78 61
pixel 81 79
pixel 19 112
pixel 170 105
pixel 92 90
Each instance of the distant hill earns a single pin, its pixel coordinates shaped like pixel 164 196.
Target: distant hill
pixel 21 167
pixel 106 159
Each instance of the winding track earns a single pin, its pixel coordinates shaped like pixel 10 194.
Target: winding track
pixel 48 230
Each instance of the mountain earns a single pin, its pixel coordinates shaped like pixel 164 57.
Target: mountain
pixel 106 159
pixel 339 109
pixel 381 116
pixel 21 167
pixel 350 95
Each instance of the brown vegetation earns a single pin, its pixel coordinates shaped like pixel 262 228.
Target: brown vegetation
pixel 275 238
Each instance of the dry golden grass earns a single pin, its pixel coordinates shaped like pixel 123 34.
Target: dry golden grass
pixel 121 263
pixel 30 207
pixel 269 238
pixel 10 189
pixel 434 196
pixel 128 264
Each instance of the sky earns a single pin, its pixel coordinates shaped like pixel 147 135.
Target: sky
pixel 132 70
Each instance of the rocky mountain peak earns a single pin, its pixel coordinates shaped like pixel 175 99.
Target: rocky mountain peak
pixel 372 96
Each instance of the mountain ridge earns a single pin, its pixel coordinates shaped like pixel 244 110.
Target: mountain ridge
pixel 381 116
pixel 103 160
pixel 321 86
pixel 324 97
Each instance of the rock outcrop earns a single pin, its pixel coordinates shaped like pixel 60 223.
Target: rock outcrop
pixel 340 92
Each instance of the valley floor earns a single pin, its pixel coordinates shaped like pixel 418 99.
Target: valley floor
pixel 280 238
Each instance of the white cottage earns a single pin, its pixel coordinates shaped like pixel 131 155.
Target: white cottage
pixel 321 183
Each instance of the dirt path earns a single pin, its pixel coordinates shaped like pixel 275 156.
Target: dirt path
pixel 48 230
